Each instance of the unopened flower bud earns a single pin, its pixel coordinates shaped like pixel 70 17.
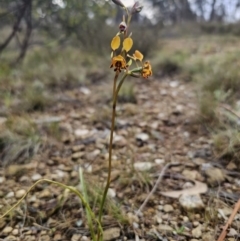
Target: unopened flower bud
pixel 122 26
pixel 119 3
pixel 137 8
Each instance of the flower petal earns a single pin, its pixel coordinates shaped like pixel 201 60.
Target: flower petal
pixel 129 62
pixel 138 55
pixel 127 44
pixel 115 43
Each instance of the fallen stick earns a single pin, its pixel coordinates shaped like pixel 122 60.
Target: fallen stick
pixel 155 186
pixel 229 222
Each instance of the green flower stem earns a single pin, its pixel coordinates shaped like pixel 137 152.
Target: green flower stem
pixel 115 95
pixel 119 87
pixel 115 83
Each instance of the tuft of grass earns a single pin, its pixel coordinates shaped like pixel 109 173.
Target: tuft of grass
pixel 207 108
pixel 19 141
pixel 227 143
pixel 114 209
pixel 36 99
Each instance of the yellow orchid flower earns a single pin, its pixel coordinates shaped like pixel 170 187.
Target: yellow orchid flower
pixel 147 70
pixel 118 62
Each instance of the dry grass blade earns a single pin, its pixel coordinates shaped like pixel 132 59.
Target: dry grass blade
pixel 155 186
pixel 225 228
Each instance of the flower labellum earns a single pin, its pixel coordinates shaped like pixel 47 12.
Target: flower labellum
pixel 119 3
pixel 122 27
pixel 137 8
pixel 118 62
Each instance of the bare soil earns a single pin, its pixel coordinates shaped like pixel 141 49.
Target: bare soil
pixel 162 126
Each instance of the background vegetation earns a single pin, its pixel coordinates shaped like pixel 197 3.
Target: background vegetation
pixel 49 46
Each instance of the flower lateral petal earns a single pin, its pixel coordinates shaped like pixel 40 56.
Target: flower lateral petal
pixel 129 62
pixel 127 44
pixel 115 42
pixel 138 55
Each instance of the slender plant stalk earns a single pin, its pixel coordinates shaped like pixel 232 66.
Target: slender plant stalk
pixel 115 95
pixel 115 84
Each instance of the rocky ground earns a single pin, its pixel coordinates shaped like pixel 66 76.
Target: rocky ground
pixel 192 202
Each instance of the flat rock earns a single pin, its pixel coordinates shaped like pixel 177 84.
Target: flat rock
pixel 76 237
pixel 168 208
pixel 143 166
pixel 197 232
pixel 81 133
pixel 119 140
pixel 164 228
pixel 77 155
pixel 10 195
pixel 159 161
pixel 191 202
pixel 111 234
pixel 111 192
pixel 7 230
pixel 20 193
pixel 2 180
pixel 142 137
pixel 36 177
pixel 232 232
pixel 215 175
pixel 190 174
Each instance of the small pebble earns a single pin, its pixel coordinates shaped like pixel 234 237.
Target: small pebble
pixel 195 223
pixel 84 238
pixel 20 193
pixel 7 230
pixel 36 177
pixel 135 225
pixel 167 208
pixel 160 207
pixel 2 180
pixel 197 232
pixel 159 161
pixel 10 195
pixel 76 237
pixel 142 137
pixel 15 232
pixel 232 232
pixel 142 166
pixel 111 193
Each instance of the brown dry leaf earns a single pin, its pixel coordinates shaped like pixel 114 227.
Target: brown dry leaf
pixel 199 187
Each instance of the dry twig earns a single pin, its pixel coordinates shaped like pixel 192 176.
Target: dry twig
pixel 229 222
pixel 155 186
